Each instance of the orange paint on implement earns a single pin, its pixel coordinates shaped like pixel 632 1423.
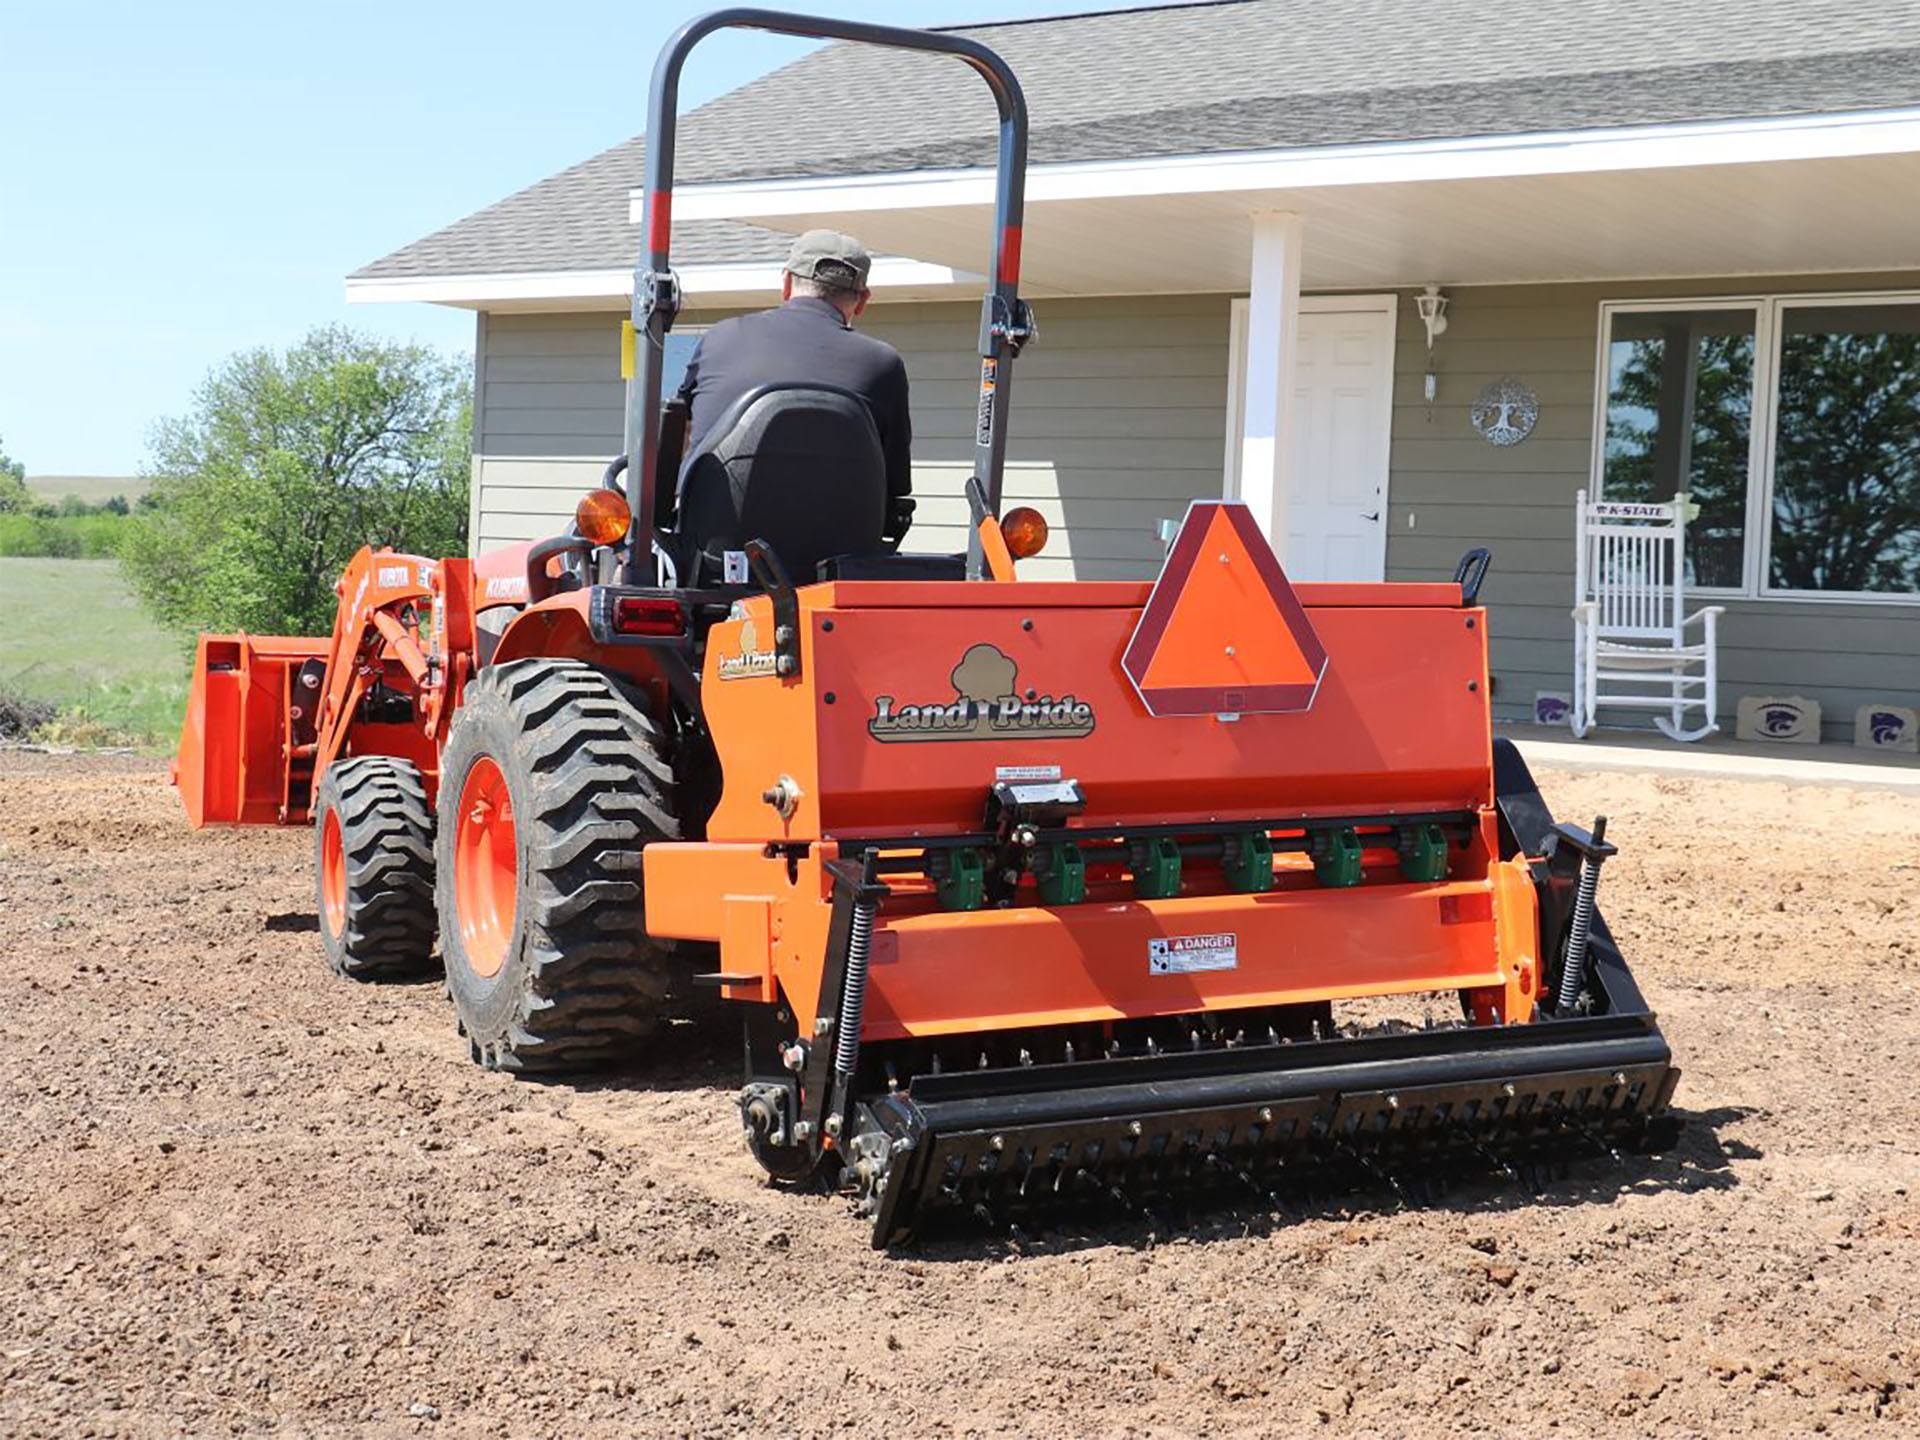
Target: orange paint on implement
pixel 1362 748
pixel 911 698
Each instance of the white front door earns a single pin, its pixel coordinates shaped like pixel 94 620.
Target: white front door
pixel 1336 505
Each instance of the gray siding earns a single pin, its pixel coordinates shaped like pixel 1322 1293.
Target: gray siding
pixel 1120 418
pixel 1120 414
pixel 1451 490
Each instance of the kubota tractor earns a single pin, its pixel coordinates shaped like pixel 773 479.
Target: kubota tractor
pixel 1031 894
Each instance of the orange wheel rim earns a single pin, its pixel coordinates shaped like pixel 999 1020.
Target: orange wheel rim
pixel 333 874
pixel 486 868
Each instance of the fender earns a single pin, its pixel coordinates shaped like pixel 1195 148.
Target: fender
pixel 558 628
pixel 500 577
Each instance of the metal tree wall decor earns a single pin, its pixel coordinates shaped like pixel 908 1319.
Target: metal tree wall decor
pixel 1506 411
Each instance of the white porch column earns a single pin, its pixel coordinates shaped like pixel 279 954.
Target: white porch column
pixel 1266 399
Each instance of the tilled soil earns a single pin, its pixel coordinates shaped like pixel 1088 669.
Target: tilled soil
pixel 242 1196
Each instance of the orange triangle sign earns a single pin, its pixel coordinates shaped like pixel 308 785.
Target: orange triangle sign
pixel 1223 631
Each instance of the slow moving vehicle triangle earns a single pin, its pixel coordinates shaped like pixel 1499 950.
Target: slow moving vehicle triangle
pixel 1223 631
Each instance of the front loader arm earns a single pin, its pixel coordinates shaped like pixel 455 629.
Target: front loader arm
pixel 375 590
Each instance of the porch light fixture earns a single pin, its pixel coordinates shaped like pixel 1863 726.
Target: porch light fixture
pixel 1432 306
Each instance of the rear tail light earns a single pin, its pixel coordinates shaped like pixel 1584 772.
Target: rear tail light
pixel 648 615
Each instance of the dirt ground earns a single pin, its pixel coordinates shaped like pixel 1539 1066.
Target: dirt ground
pixel 240 1196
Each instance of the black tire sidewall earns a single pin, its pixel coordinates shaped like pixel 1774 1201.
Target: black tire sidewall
pixel 488 1005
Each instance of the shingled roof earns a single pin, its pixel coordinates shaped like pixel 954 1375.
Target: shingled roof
pixel 1212 77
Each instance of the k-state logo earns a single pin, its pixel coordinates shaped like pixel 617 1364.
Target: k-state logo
pixel 1781 719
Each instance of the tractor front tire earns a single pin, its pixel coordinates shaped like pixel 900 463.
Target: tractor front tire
pixel 373 866
pixel 553 781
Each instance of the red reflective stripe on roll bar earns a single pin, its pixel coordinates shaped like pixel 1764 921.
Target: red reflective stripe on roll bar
pixel 1010 255
pixel 660 223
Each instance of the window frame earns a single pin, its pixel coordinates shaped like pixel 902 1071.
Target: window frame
pixel 1757 553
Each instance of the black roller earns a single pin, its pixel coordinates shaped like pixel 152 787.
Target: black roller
pixel 1271 1119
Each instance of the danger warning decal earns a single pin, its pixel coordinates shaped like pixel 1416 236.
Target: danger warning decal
pixel 1184 954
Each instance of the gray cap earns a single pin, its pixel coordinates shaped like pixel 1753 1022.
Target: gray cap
pixel 830 258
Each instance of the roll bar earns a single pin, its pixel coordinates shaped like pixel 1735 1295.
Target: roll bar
pixel 1006 324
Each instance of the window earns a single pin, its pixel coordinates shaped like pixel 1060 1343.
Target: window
pixel 1680 417
pixel 1845 512
pixel 1793 424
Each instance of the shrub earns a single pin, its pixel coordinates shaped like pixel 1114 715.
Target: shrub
pixel 288 464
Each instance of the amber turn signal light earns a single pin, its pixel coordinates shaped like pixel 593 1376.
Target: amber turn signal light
pixel 602 517
pixel 1025 530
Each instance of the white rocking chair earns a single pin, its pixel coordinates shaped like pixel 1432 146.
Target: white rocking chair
pixel 1630 628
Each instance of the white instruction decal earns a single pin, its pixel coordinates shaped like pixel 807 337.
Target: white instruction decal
pixel 1013 773
pixel 1183 954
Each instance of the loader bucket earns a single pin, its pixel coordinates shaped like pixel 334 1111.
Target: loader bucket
pixel 237 741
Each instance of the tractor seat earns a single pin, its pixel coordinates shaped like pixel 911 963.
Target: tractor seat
pixel 799 466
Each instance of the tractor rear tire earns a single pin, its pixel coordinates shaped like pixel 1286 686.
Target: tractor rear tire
pixel 373 868
pixel 553 780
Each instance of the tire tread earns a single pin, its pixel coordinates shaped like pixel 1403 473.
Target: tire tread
pixel 386 833
pixel 603 783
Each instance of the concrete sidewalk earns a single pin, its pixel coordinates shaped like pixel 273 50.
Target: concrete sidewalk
pixel 1652 753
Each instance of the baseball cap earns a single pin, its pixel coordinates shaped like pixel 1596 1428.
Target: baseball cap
pixel 830 258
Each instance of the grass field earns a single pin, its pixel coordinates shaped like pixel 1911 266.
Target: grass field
pixel 94 489
pixel 71 633
pixel 63 537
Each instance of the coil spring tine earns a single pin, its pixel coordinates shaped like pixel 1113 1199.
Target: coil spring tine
pixel 1372 1170
pixel 1594 1138
pixel 1573 973
pixel 853 997
pixel 1489 1157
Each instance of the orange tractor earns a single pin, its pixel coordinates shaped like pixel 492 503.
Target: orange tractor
pixel 1031 894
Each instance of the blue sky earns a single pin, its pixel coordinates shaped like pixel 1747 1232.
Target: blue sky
pixel 182 180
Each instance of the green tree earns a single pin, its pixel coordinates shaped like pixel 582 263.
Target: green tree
pixel 286 465
pixel 15 498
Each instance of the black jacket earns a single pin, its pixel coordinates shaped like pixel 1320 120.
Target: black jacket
pixel 805 339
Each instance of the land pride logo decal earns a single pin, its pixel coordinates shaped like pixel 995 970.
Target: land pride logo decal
pixel 751 660
pixel 985 706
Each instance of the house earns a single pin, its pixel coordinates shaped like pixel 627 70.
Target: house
pixel 1677 241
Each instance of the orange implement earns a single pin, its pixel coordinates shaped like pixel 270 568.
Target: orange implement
pixel 1027 894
